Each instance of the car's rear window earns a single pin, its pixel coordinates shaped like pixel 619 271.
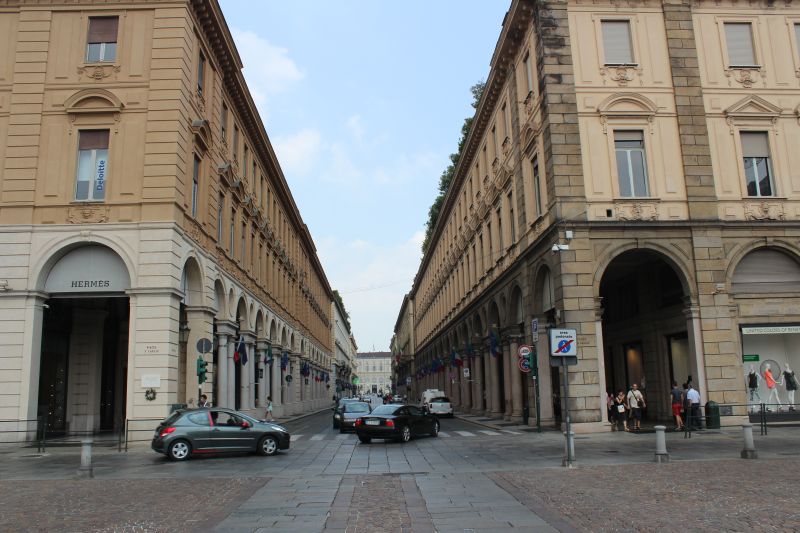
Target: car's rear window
pixel 441 399
pixel 357 407
pixel 171 419
pixel 385 410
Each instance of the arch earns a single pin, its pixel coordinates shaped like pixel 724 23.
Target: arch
pixel 766 270
pixel 493 316
pixel 219 299
pixel 516 310
pixel 740 251
pixel 544 294
pixel 93 100
pixel 231 302
pixel 260 324
pixel 273 331
pixel 192 282
pixel 57 250
pixel 477 324
pixel 241 314
pixel 90 268
pixel 292 345
pixel 681 269
pixel 627 104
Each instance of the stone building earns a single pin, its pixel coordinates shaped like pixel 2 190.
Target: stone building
pixel 374 372
pixel 345 349
pixel 142 209
pixel 402 348
pixel 630 174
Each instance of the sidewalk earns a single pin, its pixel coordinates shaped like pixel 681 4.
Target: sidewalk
pixel 499 423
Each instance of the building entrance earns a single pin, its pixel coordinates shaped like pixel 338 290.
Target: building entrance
pixel 83 371
pixel 644 328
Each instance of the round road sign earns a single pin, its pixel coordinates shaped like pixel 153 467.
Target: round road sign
pixel 204 345
pixel 524 350
pixel 524 364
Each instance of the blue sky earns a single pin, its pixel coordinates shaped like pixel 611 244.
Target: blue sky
pixel 363 101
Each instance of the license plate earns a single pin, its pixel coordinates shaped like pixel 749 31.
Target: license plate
pixel 373 422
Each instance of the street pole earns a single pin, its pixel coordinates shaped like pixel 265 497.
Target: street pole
pixel 569 458
pixel 535 376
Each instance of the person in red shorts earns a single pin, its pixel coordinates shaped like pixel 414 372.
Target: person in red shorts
pixel 676 396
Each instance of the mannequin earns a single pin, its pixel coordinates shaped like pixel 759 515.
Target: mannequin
pixel 790 381
pixel 753 381
pixel 772 385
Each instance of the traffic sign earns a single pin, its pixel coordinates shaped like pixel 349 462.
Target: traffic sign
pixel 466 372
pixel 524 350
pixel 524 364
pixel 535 330
pixel 408 380
pixel 204 345
pixel 563 342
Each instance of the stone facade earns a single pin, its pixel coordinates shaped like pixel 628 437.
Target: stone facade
pixel 675 282
pixel 129 139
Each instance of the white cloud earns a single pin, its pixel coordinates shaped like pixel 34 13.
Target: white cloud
pixel 372 277
pixel 298 153
pixel 268 69
pixel 356 127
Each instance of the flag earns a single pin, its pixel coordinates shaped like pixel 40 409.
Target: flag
pixel 240 353
pixel 494 347
pixel 456 359
pixel 268 356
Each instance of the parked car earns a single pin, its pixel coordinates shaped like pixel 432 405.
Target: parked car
pixel 350 412
pixel 401 423
pixel 337 410
pixel 428 395
pixel 440 406
pixel 213 430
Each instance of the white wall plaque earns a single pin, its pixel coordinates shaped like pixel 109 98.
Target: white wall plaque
pixel 151 380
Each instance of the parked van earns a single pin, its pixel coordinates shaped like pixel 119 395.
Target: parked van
pixel 428 395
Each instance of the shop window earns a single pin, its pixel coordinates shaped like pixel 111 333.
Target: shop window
pixel 92 165
pixel 617 42
pixel 195 184
pixel 739 39
pixel 101 44
pixel 631 163
pixel 757 166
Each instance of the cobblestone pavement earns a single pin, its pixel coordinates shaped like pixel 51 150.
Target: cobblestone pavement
pixel 727 495
pixel 121 506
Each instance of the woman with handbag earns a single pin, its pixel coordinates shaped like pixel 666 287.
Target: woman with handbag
pixel 621 411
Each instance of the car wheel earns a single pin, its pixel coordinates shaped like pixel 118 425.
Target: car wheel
pixel 364 440
pixel 179 450
pixel 435 429
pixel 267 445
pixel 405 434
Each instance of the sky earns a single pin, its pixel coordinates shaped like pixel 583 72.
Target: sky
pixel 363 101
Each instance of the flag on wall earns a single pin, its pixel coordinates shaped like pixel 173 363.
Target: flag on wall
pixel 494 345
pixel 268 356
pixel 456 359
pixel 240 353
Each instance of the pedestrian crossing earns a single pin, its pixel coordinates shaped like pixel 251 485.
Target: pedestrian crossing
pixel 459 433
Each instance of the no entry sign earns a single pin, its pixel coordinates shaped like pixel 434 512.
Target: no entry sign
pixel 563 343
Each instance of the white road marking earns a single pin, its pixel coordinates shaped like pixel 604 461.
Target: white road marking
pixel 294 438
pixel 465 433
pixel 487 432
pixel 444 434
pixel 319 436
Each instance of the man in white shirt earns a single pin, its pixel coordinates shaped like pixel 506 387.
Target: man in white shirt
pixel 636 404
pixel 693 399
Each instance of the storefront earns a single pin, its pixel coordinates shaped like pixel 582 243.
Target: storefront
pixel 770 355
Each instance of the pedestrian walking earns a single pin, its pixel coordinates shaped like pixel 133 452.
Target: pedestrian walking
pixel 203 402
pixel 636 404
pixel 269 409
pixel 676 398
pixel 693 399
pixel 610 407
pixel 620 411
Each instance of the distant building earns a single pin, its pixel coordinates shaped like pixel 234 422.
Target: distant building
pixel 344 359
pixel 375 372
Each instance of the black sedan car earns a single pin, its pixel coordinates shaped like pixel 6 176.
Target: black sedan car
pixel 215 430
pixel 337 410
pixel 397 422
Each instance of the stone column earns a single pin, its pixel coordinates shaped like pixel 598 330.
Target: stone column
pixel 507 378
pixel 232 392
pixel 516 383
pixel 696 363
pixel 264 368
pixel 247 374
pixel 601 359
pixel 477 385
pixel 495 393
pixel 222 368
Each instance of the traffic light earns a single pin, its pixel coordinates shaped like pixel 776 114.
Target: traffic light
pixel 201 369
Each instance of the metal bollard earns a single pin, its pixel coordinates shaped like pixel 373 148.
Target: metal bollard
pixel 86 470
pixel 749 451
pixel 661 455
pixel 569 449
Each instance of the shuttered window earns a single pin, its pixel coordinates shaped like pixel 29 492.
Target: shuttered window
pixel 797 37
pixel 739 38
pixel 102 40
pixel 537 191
pixel 195 184
pixel 757 165
pixel 617 43
pixel 92 165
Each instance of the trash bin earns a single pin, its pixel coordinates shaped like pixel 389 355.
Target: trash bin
pixel 526 413
pixel 712 415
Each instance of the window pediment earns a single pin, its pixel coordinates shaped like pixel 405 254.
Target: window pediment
pixel 626 106
pixel 753 107
pixel 202 133
pixel 95 101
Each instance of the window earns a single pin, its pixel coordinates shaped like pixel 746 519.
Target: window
pixel 230 233
pixel 195 184
pixel 242 250
pixel 224 126
pixel 496 146
pixel 506 122
pixel 489 236
pixel 631 163
pixel 537 191
pixel 220 208
pixel 797 36
pixel 617 44
pixel 757 167
pixel 201 72
pixel 739 38
pixel 244 162
pixel 500 229
pixel 92 165
pixel 528 73
pixel 235 142
pixel 101 44
pixel 511 214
